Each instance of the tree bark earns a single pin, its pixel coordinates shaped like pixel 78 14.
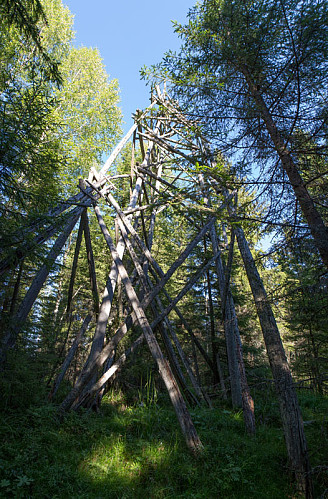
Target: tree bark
pixel 315 222
pixel 188 429
pixel 16 289
pixel 212 327
pixel 289 407
pixel 229 326
pixel 91 262
pixel 247 400
pixel 74 267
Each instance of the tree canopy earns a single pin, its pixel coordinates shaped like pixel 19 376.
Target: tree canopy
pixel 52 130
pixel 255 74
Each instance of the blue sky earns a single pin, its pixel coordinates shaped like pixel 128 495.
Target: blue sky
pixel 128 35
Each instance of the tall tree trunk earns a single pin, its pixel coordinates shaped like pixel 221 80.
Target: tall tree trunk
pixel 315 362
pixel 316 225
pixel 16 289
pixel 91 262
pixel 212 327
pixel 228 311
pixel 10 298
pixel 289 408
pixel 195 361
pixel 221 377
pixel 74 268
pixel 247 400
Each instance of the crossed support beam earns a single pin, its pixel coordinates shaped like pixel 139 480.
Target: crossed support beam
pixel 168 162
pixel 99 185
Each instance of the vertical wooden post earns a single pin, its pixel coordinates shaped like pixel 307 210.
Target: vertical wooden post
pixel 91 262
pixel 177 400
pixel 230 323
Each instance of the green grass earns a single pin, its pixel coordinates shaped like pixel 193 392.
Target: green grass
pixel 138 452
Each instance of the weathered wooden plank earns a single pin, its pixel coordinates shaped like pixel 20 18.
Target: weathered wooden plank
pixel 142 272
pixel 92 392
pixel 145 303
pixel 74 266
pixel 108 295
pixel 90 368
pixel 156 266
pixel 177 400
pixel 91 262
pixel 146 251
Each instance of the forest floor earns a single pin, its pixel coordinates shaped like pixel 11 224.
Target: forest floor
pixel 137 451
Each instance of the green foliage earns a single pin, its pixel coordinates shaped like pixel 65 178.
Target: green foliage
pixel 28 148
pixel 303 296
pixel 282 47
pixel 87 114
pixel 27 16
pixel 148 392
pixel 49 136
pixel 137 451
pixel 133 447
pixel 20 386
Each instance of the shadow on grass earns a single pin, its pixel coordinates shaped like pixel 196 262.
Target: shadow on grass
pixel 138 452
pixel 144 457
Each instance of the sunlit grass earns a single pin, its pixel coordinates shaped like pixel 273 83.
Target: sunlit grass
pixel 137 451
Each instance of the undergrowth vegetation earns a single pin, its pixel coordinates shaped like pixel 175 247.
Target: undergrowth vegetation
pixel 132 450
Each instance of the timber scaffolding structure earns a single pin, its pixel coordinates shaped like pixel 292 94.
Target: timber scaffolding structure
pixel 172 148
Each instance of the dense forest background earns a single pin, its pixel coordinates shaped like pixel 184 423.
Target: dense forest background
pixel 250 81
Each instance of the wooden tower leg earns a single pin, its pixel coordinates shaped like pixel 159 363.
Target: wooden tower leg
pixel 187 426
